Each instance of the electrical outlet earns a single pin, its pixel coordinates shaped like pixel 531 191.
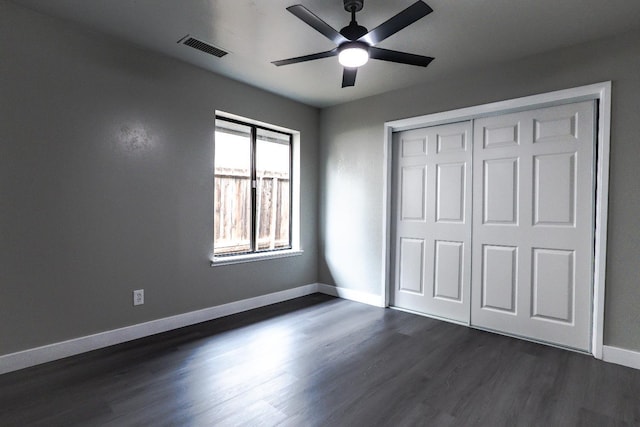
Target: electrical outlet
pixel 138 297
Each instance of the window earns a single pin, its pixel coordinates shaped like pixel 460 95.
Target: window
pixel 252 188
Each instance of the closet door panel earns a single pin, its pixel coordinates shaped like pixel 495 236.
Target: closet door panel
pixel 534 199
pixel 431 221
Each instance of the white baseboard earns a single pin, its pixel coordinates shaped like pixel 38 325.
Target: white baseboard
pixel 35 356
pixel 621 356
pixel 48 353
pixel 351 294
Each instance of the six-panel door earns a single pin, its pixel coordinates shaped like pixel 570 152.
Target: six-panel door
pixel 432 214
pixel 533 224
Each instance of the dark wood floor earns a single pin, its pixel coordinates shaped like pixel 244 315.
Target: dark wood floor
pixel 320 361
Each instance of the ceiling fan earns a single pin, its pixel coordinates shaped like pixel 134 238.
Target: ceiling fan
pixel 355 44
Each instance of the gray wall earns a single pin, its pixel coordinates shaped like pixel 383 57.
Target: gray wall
pixel 106 184
pixel 351 165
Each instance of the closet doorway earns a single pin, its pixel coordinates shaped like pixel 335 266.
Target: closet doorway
pixel 493 219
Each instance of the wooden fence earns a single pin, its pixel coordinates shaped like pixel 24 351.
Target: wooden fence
pixel 232 224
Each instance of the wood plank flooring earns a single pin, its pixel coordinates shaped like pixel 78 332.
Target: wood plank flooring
pixel 321 361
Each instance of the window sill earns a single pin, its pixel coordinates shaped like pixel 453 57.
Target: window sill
pixel 239 259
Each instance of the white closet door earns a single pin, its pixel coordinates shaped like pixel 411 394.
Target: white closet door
pixel 533 221
pixel 432 220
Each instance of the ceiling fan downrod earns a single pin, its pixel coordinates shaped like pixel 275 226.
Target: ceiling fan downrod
pixel 353 31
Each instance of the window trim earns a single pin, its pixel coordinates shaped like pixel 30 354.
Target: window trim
pixel 293 249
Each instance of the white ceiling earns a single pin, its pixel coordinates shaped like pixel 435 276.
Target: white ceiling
pixel 459 34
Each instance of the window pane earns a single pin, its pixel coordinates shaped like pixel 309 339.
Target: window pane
pixel 232 216
pixel 273 160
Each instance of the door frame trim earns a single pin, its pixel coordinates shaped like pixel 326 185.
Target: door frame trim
pixel 597 91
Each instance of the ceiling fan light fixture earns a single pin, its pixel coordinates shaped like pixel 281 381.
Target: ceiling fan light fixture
pixel 355 44
pixel 353 55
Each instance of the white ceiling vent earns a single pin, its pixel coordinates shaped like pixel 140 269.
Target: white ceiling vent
pixel 202 46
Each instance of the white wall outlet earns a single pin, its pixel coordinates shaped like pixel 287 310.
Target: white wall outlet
pixel 138 297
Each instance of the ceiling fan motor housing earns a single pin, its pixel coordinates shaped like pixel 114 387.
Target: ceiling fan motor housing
pixel 353 5
pixel 353 31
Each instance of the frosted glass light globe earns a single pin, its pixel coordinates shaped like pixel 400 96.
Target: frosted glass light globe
pixel 353 57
